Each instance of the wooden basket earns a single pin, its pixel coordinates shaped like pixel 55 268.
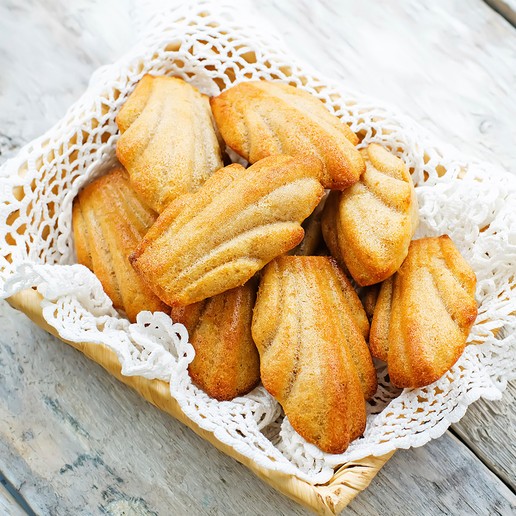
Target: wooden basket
pixel 330 498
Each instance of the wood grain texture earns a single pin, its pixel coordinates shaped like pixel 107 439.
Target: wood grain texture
pixel 449 64
pixel 489 429
pixel 8 505
pixel 441 478
pixel 50 48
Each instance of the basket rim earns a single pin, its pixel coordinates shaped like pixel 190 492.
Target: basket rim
pixel 328 498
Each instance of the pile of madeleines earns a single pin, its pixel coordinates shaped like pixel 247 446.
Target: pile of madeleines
pixel 263 265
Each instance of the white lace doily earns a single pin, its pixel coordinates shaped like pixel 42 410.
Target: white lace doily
pixel 212 45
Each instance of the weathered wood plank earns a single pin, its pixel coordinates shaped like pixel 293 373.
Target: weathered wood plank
pixel 8 505
pixel 443 477
pixel 489 429
pixel 49 51
pixel 449 64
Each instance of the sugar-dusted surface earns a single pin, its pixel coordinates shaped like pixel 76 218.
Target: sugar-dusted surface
pixel 199 465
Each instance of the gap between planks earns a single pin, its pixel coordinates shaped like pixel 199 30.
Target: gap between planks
pixel 488 429
pixel 11 501
pixel 483 459
pixel 466 443
pixel 505 8
pixel 441 480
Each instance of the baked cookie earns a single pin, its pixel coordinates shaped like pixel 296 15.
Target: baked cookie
pixel 368 227
pixel 424 313
pixel 168 142
pixel 216 239
pixel 310 328
pixel 226 362
pixel 109 220
pixel 262 118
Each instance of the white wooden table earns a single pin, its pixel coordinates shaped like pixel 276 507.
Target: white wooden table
pixel 75 441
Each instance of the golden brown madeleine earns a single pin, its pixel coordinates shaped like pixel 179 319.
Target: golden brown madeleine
pixel 168 142
pixel 424 313
pixel 109 220
pixel 228 230
pixel 226 362
pixel 261 118
pixel 314 358
pixel 369 226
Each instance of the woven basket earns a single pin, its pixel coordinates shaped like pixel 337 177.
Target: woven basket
pixel 330 498
pixel 47 160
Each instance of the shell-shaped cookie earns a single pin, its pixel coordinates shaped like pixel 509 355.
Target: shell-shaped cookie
pixel 219 237
pixel 368 227
pixel 262 118
pixel 424 313
pixel 309 327
pixel 226 362
pixel 168 142
pixel 109 221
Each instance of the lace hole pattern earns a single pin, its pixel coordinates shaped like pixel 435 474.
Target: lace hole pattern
pixel 213 46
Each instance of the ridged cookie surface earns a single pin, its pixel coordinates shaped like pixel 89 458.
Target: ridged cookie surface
pixel 262 118
pixel 424 313
pixel 168 142
pixel 226 362
pixel 310 328
pixel 218 238
pixel 368 227
pixel 109 221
